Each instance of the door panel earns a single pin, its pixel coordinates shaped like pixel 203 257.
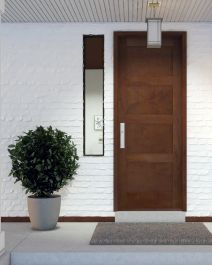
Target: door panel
pixel 149 61
pixel 150 100
pixel 144 138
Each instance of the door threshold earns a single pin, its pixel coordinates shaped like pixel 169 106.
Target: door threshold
pixel 150 216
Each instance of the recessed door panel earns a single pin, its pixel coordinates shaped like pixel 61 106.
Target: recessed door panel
pixel 149 99
pixel 149 138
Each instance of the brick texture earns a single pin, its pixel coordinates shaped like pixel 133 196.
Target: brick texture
pixel 42 84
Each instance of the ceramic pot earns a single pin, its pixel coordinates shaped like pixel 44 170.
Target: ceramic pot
pixel 44 212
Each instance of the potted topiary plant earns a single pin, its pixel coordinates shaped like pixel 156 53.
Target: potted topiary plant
pixel 44 160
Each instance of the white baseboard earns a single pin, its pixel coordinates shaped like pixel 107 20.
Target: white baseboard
pixel 150 216
pixel 2 242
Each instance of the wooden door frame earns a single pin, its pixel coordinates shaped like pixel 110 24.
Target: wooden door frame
pixel 183 36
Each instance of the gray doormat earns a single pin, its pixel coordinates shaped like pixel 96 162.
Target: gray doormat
pixel 151 234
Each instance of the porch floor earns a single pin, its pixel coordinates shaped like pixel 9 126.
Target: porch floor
pixel 69 244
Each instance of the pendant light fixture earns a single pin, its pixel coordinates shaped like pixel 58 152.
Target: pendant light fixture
pixel 2 6
pixel 154 32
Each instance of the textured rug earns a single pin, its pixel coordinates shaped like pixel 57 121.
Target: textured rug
pixel 151 234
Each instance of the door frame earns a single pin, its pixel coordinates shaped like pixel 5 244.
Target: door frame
pixel 183 36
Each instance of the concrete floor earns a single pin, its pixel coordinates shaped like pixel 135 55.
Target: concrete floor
pixel 66 235
pixel 69 244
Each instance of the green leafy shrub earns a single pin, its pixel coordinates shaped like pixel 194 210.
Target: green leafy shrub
pixel 43 160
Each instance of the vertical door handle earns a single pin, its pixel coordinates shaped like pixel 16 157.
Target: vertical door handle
pixel 122 135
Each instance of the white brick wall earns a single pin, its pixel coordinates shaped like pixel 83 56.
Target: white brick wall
pixel 43 85
pixel 2 236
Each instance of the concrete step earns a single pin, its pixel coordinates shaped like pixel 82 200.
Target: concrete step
pixel 2 242
pixel 145 255
pixel 150 216
pixel 69 245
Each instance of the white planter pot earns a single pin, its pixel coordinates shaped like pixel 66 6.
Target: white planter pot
pixel 44 212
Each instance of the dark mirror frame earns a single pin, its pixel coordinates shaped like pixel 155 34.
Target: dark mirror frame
pixel 89 62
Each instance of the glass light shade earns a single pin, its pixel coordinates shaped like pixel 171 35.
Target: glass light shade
pixel 2 6
pixel 154 32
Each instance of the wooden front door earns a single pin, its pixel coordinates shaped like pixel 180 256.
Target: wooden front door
pixel 150 122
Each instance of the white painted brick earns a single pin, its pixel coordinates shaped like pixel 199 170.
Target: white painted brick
pixel 42 83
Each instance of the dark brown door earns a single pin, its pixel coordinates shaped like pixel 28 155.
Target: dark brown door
pixel 150 100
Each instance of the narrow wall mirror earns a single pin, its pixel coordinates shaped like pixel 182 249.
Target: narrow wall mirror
pixel 94 95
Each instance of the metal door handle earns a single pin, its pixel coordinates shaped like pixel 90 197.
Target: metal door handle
pixel 122 135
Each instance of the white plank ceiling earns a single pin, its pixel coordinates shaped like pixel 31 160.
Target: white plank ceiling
pixel 105 11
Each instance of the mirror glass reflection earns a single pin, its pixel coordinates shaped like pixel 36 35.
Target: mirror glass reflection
pixel 94 112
